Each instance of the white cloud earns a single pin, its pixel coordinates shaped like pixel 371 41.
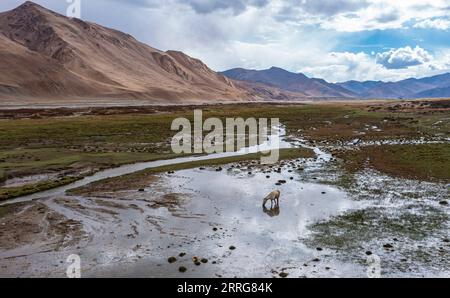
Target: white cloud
pixel 351 16
pixel 403 57
pixel 236 6
pixel 344 66
pixel 441 24
pixel 330 8
pixel 297 35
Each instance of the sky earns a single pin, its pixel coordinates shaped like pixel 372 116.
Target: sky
pixel 337 40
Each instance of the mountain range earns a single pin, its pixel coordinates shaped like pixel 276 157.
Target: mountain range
pixel 45 55
pixel 436 86
pixel 287 81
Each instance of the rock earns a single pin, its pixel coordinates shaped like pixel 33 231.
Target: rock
pixel 182 254
pixel 232 247
pixel 182 269
pixel 278 184
pixel 219 170
pixel 284 274
pixel 141 190
pixel 197 263
pixel 369 253
pixel 324 193
pixel 282 181
pixel 204 261
pixel 319 249
pixel 195 260
pixel 292 178
pixel 316 260
pixel 172 260
pixel 443 203
pixel 215 229
pixel 446 240
pixel 356 142
pixel 388 246
pixel 268 177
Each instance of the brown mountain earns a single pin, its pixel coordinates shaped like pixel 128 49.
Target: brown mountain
pixel 46 55
pixel 436 86
pixel 293 83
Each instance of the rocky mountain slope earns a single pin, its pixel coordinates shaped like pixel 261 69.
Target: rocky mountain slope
pixel 288 81
pixel 45 54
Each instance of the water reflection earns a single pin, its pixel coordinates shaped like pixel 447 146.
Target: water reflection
pixel 273 211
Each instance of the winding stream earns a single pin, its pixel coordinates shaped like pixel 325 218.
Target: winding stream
pixel 275 141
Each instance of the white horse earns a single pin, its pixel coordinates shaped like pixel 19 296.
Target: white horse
pixel 274 197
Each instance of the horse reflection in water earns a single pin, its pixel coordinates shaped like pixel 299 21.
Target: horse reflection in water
pixel 273 211
pixel 274 198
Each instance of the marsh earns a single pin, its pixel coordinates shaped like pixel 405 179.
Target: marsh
pixel 339 202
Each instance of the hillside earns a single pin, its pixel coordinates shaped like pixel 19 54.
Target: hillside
pixel 45 54
pixel 288 81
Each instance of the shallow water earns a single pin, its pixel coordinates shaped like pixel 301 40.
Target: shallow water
pixel 223 209
pixel 22 181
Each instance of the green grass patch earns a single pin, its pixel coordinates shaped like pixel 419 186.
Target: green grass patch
pixel 354 229
pixel 429 162
pixel 7 193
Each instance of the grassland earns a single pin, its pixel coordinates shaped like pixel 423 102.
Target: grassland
pixel 72 145
pixel 428 162
pixel 15 192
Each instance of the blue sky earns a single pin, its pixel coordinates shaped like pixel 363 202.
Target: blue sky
pixel 336 40
pixel 381 40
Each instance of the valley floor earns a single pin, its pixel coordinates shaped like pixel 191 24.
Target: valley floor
pixel 359 179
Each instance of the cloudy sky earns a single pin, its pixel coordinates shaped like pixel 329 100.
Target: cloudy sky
pixel 333 39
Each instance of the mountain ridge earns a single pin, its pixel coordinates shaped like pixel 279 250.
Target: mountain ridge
pixel 408 88
pixel 83 59
pixel 288 81
pixel 438 85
